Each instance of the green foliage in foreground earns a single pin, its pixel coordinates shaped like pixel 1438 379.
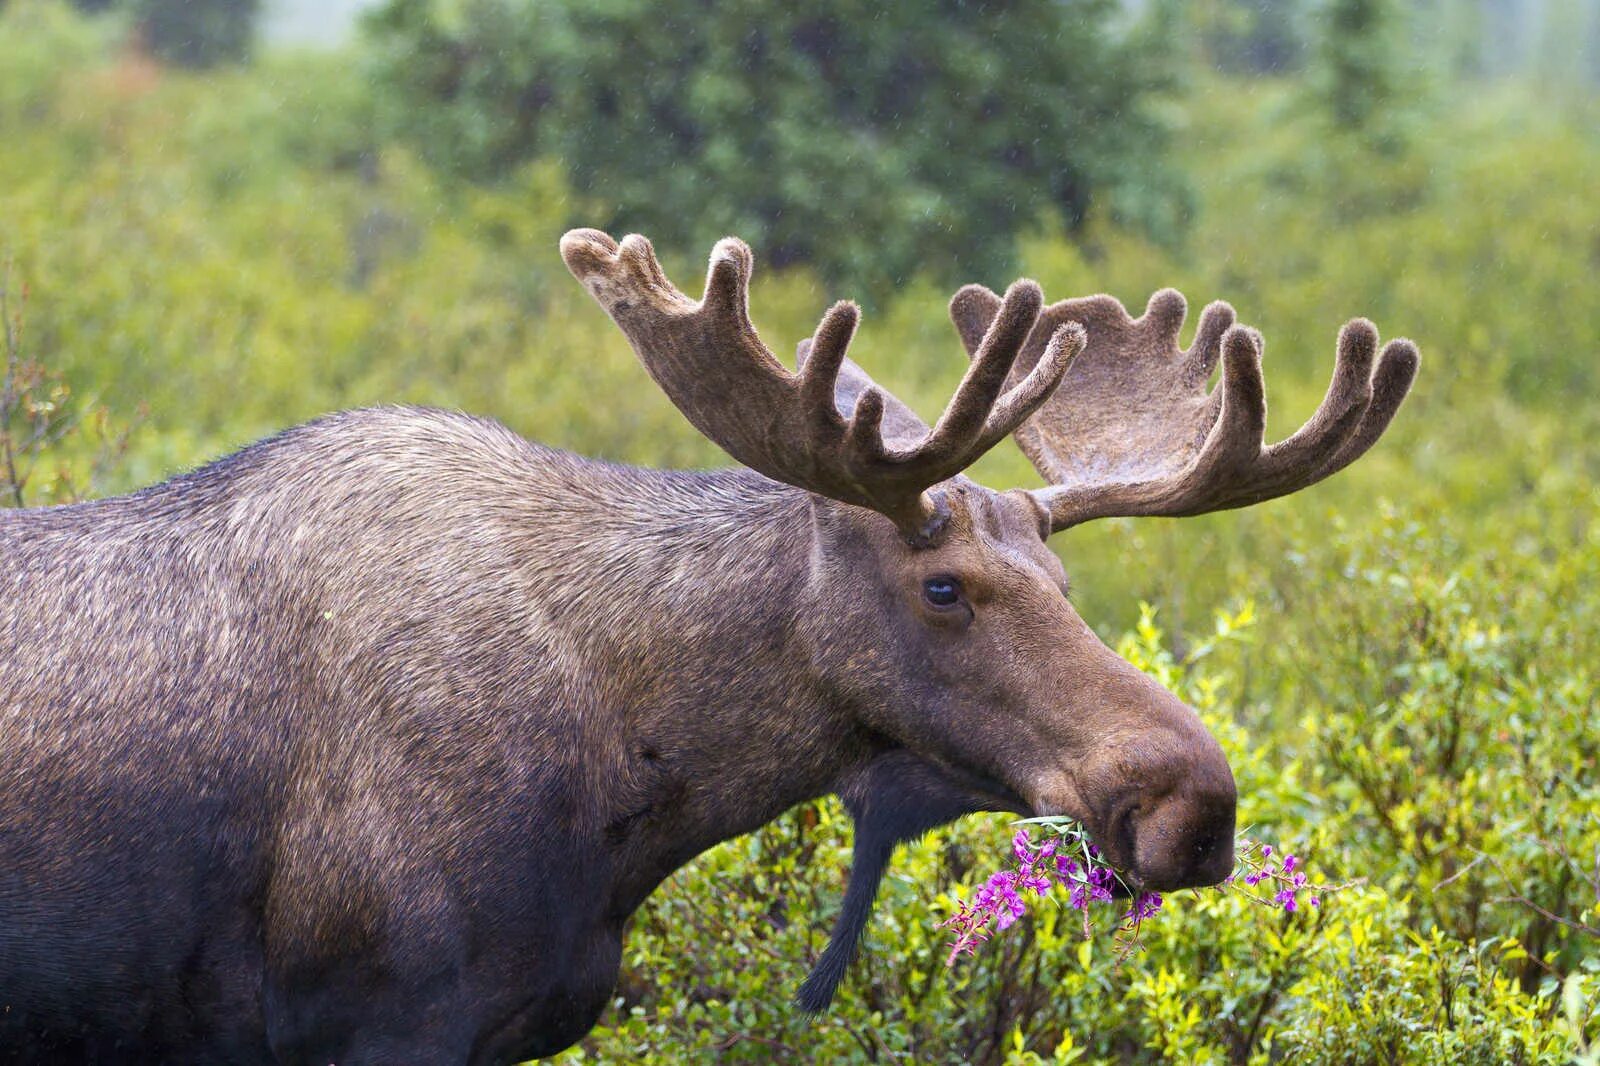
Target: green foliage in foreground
pixel 1405 680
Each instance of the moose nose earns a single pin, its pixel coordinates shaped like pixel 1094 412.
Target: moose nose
pixel 1185 840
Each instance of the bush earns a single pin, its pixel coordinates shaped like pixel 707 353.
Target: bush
pixel 54 447
pixel 830 137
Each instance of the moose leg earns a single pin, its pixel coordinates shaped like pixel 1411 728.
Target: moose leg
pixel 896 798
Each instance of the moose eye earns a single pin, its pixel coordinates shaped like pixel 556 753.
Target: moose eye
pixel 942 591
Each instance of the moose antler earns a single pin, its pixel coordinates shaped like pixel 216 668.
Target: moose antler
pixel 1134 431
pixel 816 429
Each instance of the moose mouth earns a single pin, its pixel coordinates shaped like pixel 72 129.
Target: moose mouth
pixel 1128 883
pixel 991 794
pixel 985 792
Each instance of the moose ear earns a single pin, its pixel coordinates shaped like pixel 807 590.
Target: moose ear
pixel 896 798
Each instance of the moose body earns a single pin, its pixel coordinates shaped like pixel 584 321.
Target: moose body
pixel 361 745
pixel 386 723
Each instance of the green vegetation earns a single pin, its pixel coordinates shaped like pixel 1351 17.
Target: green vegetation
pixel 802 117
pixel 1401 662
pixel 197 33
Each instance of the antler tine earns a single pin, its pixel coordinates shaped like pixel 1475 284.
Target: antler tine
pixel 1234 442
pixel 1312 447
pixel 1215 321
pixel 979 318
pixel 1347 422
pixel 1390 383
pixel 680 341
pixel 972 309
pixel 1017 406
pixel 798 428
pixel 968 411
pixel 819 372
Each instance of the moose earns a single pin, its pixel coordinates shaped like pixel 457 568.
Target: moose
pixel 362 744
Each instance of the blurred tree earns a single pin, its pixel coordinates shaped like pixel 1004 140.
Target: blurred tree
pixel 1252 36
pixel 872 141
pixel 1359 64
pixel 197 33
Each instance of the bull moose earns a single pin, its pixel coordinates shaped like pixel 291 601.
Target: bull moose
pixel 362 744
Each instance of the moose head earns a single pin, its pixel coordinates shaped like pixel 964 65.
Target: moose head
pixel 941 617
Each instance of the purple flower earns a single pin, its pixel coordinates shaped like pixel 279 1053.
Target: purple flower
pixel 1144 906
pixel 998 884
pixel 1065 857
pixel 1009 909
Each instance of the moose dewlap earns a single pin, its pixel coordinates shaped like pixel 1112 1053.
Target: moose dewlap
pixel 363 743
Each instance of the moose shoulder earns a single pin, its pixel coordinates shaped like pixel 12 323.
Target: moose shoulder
pixel 361 745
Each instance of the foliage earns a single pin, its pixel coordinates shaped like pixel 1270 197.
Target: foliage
pixel 1463 679
pixel 828 134
pixel 197 33
pixel 1357 72
pixel 1401 670
pixel 45 432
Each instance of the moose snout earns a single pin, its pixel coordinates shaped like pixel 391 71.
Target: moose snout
pixel 1184 839
pixel 1164 808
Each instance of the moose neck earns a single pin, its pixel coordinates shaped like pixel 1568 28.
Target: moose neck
pixel 715 721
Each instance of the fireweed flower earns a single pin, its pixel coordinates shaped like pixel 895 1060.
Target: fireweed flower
pixel 1066 860
pixel 1144 906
